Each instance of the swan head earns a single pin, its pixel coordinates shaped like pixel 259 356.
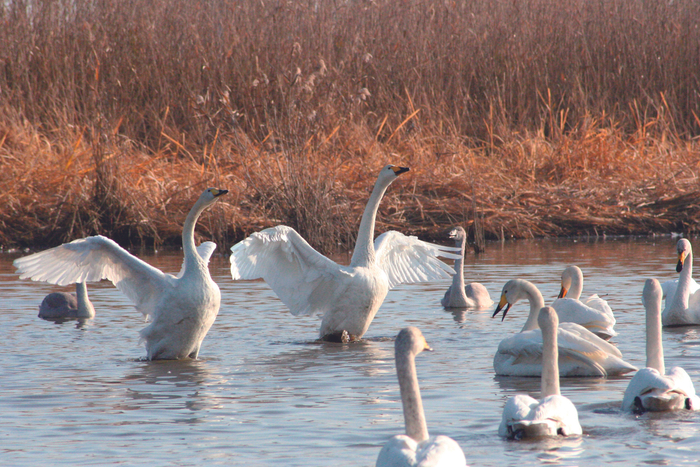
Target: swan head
pixel 652 294
pixel 548 319
pixel 411 339
pixel 458 233
pixel 390 173
pixel 211 194
pixel 511 293
pixel 567 278
pixel 684 250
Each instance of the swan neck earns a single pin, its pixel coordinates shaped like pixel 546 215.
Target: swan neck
pixel 655 350
pixel 364 254
pixel 188 246
pixel 458 278
pixel 85 308
pixel 550 362
pixel 680 298
pixel 413 415
pixel 536 303
pixel 576 286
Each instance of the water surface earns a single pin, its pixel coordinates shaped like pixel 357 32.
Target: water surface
pixel 264 393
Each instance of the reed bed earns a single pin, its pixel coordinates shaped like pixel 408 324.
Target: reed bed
pixel 518 119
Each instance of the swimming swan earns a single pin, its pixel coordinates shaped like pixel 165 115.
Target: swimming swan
pixel 416 448
pixel 348 297
pixel 682 296
pixel 581 353
pixel 63 305
pixel 651 389
pixel 181 308
pixel 593 313
pixel 473 295
pixel 525 417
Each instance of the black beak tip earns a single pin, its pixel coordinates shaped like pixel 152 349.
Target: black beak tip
pixel 221 192
pixel 679 266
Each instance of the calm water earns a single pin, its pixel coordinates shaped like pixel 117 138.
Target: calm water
pixel 263 393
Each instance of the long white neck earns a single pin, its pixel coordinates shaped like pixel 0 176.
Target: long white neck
pixel 364 254
pixel 576 284
pixel 192 259
pixel 680 298
pixel 655 350
pixel 413 415
pixel 536 303
pixel 550 361
pixel 457 294
pixel 85 308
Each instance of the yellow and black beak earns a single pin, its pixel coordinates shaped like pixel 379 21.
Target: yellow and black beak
pixel 399 170
pixel 562 292
pixel 501 304
pixel 216 192
pixel 681 259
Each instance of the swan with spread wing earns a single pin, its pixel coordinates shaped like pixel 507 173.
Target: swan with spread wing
pixel 181 308
pixel 347 297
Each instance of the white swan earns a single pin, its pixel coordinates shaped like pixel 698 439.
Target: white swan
pixel 63 305
pixel 416 448
pixel 651 389
pixel 581 353
pixel 525 417
pixel 682 296
pixel 181 309
pixel 473 295
pixel 593 313
pixel 348 297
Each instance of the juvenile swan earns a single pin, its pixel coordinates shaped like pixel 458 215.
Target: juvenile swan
pixel 63 305
pixel 682 296
pixel 348 297
pixel 473 295
pixel 181 309
pixel 593 313
pixel 651 389
pixel 581 353
pixel 525 417
pixel 416 448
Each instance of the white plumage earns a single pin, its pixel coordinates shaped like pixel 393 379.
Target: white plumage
pixel 347 297
pixel 682 295
pixel 581 353
pixel 526 417
pixel 593 313
pixel 652 388
pixel 473 295
pixel 181 308
pixel 416 448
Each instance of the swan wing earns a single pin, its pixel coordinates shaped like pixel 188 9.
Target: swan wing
pixel 595 319
pixel 93 259
pixel 304 279
pixel 406 259
pixel 578 349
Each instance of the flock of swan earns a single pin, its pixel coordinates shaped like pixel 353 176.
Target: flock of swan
pixel 568 338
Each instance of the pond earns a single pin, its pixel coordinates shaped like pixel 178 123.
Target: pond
pixel 263 392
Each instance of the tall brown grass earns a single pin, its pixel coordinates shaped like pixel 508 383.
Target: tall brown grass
pixel 550 117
